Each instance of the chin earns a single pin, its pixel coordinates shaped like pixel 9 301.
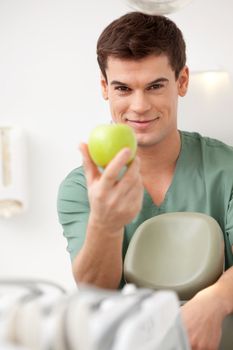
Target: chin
pixel 145 140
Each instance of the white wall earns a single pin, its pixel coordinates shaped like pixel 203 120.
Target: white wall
pixel 49 85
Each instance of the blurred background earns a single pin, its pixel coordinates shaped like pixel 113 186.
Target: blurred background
pixel 49 87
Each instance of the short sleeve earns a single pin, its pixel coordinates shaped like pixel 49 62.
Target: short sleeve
pixel 73 210
pixel 229 230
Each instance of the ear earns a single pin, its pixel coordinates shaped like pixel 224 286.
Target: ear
pixel 104 87
pixel 183 81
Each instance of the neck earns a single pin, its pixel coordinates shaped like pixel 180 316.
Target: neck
pixel 161 156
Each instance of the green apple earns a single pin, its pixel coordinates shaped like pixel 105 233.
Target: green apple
pixel 106 141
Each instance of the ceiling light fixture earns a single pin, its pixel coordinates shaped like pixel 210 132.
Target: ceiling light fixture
pixel 157 7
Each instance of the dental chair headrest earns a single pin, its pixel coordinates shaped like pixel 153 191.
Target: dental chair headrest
pixel 182 251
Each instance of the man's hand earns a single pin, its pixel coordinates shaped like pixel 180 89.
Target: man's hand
pixel 203 316
pixel 114 202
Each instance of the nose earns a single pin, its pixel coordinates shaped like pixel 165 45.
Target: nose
pixel 140 103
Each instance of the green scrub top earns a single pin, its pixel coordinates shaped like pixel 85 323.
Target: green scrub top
pixel 203 182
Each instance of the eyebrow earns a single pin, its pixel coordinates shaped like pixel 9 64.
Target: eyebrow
pixel 159 80
pixel 156 81
pixel 117 82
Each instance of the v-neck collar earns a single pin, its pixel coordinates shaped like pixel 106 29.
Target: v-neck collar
pixel 147 196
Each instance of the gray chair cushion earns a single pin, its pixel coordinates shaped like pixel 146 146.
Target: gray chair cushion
pixel 181 251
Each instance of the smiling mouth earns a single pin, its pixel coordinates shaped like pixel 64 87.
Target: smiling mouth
pixel 146 121
pixel 141 125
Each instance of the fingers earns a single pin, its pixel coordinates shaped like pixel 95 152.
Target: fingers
pixel 115 200
pixel 91 170
pixel 132 177
pixel 111 172
pixel 132 189
pixel 127 196
pixel 110 176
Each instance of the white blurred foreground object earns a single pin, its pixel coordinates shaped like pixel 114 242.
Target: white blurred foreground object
pixel 157 7
pixel 90 319
pixel 13 171
pixel 155 324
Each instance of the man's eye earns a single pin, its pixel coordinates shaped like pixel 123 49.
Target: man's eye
pixel 156 87
pixel 122 88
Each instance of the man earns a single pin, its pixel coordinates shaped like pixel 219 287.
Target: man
pixel 142 60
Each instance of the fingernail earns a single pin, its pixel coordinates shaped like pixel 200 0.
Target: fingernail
pixel 128 151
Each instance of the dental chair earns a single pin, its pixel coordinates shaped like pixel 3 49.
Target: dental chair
pixel 183 252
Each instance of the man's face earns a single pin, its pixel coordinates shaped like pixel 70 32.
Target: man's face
pixel 143 94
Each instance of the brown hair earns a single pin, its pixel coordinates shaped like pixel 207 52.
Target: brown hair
pixel 137 35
